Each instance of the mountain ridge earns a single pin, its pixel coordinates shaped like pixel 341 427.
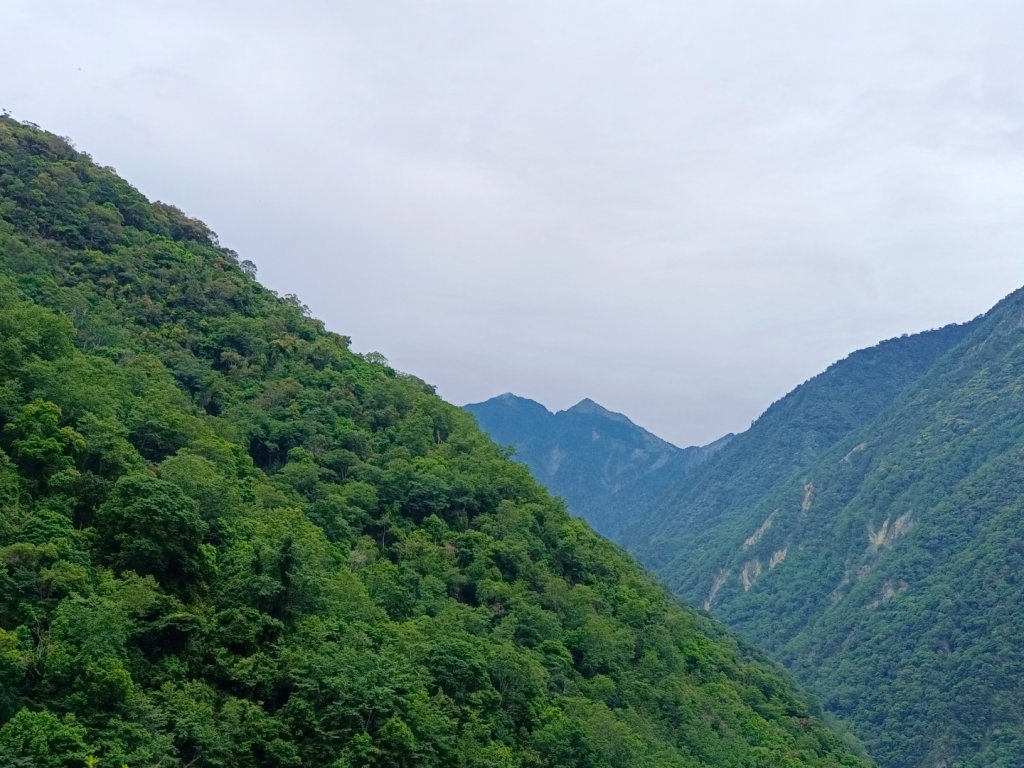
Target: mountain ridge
pixel 606 467
pixel 854 540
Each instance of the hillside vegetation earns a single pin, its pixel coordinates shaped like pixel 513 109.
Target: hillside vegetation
pixel 226 540
pixel 869 531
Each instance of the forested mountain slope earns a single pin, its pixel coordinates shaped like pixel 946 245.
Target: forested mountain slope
pixel 868 531
pixel 226 540
pixel 608 470
pixel 793 432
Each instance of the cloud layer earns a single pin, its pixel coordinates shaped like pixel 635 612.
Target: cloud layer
pixel 681 210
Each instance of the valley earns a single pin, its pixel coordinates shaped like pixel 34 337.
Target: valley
pixel 865 532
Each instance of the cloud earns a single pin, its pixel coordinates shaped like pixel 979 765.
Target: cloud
pixel 680 210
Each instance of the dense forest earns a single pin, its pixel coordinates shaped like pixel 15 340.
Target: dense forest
pixel 868 530
pixel 608 470
pixel 227 540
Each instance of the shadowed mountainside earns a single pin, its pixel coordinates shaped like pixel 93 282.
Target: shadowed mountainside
pixel 609 470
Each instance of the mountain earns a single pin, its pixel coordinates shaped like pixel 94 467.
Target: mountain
pixel 608 470
pixel 227 540
pixel 868 531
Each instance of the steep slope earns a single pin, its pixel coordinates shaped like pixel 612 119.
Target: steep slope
pixel 226 540
pixel 608 470
pixel 883 565
pixel 792 433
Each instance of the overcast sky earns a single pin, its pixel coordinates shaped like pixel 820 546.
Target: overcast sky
pixel 679 209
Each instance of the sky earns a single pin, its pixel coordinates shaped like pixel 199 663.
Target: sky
pixel 679 209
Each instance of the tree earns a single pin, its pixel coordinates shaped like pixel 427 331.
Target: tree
pixel 44 739
pixel 39 444
pixel 151 527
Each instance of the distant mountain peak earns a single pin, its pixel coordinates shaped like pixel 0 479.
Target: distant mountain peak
pixel 606 467
pixel 586 405
pixel 511 400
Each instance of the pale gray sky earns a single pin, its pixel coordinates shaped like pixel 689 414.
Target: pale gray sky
pixel 679 209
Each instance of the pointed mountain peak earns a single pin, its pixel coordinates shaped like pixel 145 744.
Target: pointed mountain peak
pixel 512 397
pixel 586 405
pixel 509 400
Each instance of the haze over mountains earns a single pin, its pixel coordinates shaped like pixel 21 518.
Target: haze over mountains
pixel 606 467
pixel 867 531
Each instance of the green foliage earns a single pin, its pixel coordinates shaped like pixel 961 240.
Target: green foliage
pixel 151 527
pixel 226 540
pixel 37 442
pixel 44 740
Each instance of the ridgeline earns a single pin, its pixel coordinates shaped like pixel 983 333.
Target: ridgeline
pixel 867 531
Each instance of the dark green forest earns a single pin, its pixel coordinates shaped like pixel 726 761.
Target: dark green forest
pixel 868 531
pixel 227 540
